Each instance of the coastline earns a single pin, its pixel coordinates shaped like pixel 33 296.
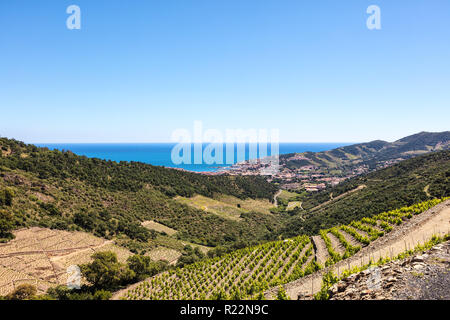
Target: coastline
pixel 159 154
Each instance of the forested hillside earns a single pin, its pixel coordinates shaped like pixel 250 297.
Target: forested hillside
pixel 64 191
pixel 129 176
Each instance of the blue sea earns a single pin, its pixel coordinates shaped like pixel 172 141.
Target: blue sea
pixel 159 154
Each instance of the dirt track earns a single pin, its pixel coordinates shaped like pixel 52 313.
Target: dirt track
pixel 417 230
pixel 275 200
pixel 321 250
pixel 338 197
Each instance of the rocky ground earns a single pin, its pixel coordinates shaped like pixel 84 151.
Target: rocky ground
pixel 420 277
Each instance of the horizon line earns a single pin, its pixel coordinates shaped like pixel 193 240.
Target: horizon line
pixel 225 142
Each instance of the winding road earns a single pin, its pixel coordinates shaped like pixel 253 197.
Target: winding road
pixel 275 201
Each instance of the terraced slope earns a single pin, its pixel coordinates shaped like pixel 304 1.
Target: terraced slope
pixel 406 228
pixel 41 256
pixel 247 273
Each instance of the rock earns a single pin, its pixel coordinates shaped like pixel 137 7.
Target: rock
pixel 303 296
pixel 418 259
pixel 341 286
pixel 391 279
pixel 365 292
pixel 436 248
pixel 351 292
pixel 349 279
pixel 334 289
pixel 418 266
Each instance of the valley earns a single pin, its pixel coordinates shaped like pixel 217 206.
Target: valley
pixel 171 234
pixel 250 272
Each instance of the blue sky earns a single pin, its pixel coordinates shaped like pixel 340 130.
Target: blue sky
pixel 138 70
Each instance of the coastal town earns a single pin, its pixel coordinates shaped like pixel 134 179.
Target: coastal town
pixel 308 177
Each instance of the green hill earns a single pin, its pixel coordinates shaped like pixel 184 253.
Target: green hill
pixel 411 181
pixel 248 272
pixel 61 190
pixel 373 154
pixel 65 191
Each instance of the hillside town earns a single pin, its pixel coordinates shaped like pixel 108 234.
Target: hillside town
pixel 308 177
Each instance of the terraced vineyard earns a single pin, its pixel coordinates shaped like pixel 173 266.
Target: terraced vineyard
pixel 247 273
pixel 40 256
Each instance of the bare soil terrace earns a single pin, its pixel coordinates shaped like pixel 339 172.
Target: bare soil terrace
pixel 41 256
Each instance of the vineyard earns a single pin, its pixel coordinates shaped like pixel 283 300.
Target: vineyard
pixel 247 273
pixel 41 256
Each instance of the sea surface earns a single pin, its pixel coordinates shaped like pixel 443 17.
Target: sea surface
pixel 160 154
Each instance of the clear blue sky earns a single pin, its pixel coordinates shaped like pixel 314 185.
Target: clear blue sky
pixel 137 70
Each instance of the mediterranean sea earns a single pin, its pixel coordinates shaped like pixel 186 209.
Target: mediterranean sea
pixel 159 154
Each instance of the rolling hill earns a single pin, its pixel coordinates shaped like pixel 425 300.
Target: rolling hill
pixel 372 155
pixel 61 190
pixel 149 209
pixel 249 273
pixel 405 183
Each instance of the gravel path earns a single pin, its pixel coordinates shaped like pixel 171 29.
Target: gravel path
pixel 350 239
pixel 337 245
pixel 275 198
pixel 427 281
pixel 321 250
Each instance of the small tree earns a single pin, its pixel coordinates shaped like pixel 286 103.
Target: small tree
pixel 236 295
pixel 6 197
pixel 144 267
pixel 60 292
pixel 328 280
pixel 282 295
pixel 219 295
pixel 105 272
pixel 102 295
pixel 6 224
pixel 260 296
pixel 23 292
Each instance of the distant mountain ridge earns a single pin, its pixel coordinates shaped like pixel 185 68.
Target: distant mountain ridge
pixel 373 153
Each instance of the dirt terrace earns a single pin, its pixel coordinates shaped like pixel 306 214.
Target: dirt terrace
pixel 41 256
